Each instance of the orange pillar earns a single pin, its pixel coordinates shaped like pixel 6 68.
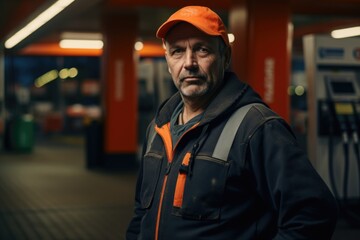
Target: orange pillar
pixel 120 88
pixel 262 48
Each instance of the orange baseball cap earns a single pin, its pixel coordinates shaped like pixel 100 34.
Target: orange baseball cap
pixel 200 17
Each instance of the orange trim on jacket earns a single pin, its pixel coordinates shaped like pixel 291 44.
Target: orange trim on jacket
pixel 165 134
pixel 180 183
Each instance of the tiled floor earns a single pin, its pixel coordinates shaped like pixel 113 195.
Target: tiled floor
pixel 49 194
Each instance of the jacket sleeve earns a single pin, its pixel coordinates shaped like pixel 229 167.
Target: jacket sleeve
pixel 287 181
pixel 133 229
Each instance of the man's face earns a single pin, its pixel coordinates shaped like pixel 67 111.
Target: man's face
pixel 195 60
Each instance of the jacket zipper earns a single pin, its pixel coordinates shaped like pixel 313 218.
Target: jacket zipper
pixel 159 209
pixel 164 132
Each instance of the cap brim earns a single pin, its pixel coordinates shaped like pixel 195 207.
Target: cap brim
pixel 164 29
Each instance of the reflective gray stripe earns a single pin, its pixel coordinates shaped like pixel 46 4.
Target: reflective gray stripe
pixel 228 133
pixel 151 137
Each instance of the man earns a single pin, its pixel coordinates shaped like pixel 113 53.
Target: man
pixel 204 177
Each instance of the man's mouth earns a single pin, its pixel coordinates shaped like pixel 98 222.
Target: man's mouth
pixel 192 79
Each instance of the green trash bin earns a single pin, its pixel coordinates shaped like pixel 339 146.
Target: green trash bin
pixel 23 133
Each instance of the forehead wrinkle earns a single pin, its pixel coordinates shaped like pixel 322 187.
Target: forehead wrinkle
pixel 193 42
pixel 186 42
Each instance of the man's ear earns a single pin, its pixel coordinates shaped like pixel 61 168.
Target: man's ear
pixel 166 58
pixel 166 53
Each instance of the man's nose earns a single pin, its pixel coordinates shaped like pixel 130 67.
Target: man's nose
pixel 190 59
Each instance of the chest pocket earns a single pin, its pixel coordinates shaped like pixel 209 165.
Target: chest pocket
pixel 201 195
pixel 151 171
pixel 202 192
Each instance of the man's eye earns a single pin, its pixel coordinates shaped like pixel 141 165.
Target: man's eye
pixel 203 50
pixel 176 51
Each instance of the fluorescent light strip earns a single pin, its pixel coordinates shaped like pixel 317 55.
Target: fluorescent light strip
pixel 83 44
pixel 346 32
pixel 35 24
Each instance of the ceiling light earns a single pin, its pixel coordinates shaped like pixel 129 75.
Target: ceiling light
pixel 346 32
pixel 139 46
pixel 81 44
pixel 231 37
pixel 36 23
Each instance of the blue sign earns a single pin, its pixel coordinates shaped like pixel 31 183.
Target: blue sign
pixel 331 52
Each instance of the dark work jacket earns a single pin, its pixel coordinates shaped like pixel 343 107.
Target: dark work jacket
pixel 266 189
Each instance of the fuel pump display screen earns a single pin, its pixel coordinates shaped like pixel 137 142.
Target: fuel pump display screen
pixel 342 88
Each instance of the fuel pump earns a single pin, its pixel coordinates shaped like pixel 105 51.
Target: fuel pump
pixel 332 68
pixel 343 122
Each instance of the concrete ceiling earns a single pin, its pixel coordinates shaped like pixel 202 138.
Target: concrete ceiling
pixel 309 16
